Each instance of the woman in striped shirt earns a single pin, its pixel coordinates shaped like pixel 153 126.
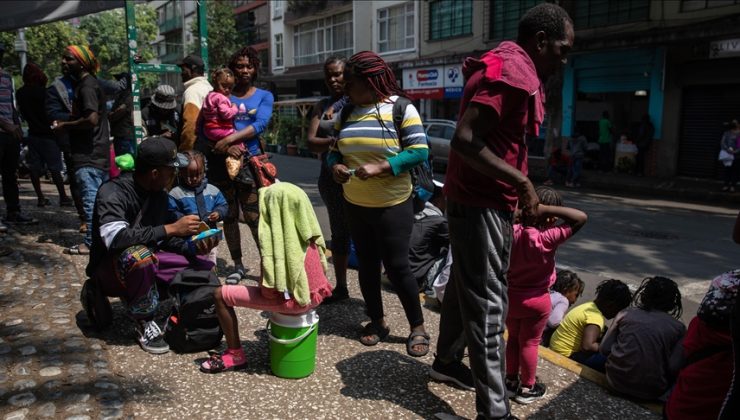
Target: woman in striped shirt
pixel 372 161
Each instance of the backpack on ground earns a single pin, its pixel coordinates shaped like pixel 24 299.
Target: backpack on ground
pixel 193 324
pixel 422 178
pixel 96 305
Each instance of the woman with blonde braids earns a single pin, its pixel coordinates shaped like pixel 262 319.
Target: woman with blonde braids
pixel 372 161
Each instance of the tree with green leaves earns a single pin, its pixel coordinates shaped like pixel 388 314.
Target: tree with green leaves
pixel 104 32
pixel 223 39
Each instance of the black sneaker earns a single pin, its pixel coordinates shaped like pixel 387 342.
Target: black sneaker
pixel 455 372
pixel 512 387
pixel 19 219
pixel 151 338
pixel 530 395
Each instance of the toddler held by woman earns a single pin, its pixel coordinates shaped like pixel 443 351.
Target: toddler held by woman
pixel 218 115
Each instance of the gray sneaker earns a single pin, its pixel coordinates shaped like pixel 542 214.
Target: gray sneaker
pixel 151 338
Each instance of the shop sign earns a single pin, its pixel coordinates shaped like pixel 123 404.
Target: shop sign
pixel 724 48
pixel 434 82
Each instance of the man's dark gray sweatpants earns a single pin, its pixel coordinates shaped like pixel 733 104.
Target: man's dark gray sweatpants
pixel 475 303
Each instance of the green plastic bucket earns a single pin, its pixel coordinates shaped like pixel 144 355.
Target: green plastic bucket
pixel 293 344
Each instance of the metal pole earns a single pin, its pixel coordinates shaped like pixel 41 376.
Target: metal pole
pixel 134 69
pixel 21 47
pixel 203 32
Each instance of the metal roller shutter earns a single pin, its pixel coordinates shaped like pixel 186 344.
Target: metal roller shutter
pixel 704 110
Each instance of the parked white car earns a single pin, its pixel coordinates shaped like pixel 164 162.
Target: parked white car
pixel 439 133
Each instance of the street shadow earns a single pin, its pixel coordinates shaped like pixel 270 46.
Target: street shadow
pixel 387 376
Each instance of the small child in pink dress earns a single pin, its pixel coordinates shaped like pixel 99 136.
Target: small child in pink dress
pixel 218 114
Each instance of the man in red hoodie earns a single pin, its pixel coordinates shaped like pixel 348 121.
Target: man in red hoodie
pixel 486 181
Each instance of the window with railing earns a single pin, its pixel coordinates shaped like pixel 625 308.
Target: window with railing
pixel 396 28
pixel 450 18
pixel 505 16
pixel 692 5
pixel 315 41
pixel 278 51
pixel 596 13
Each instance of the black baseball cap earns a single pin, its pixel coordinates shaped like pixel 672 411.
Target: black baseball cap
pixel 159 151
pixel 191 61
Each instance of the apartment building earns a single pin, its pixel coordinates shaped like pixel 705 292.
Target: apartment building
pixel 252 18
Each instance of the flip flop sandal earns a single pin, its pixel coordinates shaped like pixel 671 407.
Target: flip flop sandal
pixel 416 338
pixel 76 250
pixel 216 365
pixel 235 277
pixel 373 333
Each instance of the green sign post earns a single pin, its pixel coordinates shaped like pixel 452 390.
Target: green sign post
pixel 137 68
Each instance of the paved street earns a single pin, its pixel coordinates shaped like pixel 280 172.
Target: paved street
pixel 51 368
pixel 625 238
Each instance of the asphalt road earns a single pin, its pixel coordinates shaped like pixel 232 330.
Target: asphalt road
pixel 625 238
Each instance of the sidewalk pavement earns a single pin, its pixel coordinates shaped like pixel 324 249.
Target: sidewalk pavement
pixel 698 190
pixel 52 369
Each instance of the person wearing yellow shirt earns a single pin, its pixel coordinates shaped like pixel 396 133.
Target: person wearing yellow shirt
pixel 579 333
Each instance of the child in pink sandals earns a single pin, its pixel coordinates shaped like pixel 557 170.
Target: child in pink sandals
pixel 293 270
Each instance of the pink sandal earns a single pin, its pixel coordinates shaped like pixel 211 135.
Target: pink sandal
pixel 217 364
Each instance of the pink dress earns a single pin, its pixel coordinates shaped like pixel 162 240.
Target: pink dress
pixel 218 116
pixel 265 299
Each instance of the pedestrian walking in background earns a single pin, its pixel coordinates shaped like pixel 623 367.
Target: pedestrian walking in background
pixel 606 131
pixel 11 136
pixel 372 161
pixel 644 140
pixel 486 180
pixel 730 145
pixel 42 144
pixel 577 146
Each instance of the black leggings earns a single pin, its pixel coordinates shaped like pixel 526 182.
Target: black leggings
pixel 383 235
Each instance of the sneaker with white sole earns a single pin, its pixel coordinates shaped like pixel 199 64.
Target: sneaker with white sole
pixel 151 337
pixel 455 372
pixel 513 386
pixel 527 395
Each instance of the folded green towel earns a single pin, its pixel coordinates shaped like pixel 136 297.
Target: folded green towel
pixel 287 226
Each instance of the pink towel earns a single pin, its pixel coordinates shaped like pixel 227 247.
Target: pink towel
pixel 510 64
pixel 262 298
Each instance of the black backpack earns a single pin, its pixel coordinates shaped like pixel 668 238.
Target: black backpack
pixel 193 324
pixel 422 178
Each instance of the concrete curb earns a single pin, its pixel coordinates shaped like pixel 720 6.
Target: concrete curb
pixel 590 374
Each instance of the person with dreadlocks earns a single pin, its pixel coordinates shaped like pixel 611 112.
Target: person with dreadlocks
pixel 254 110
pixel 486 181
pixel 372 161
pixel 643 345
pixel 531 274
pixel 88 132
pixel 43 149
